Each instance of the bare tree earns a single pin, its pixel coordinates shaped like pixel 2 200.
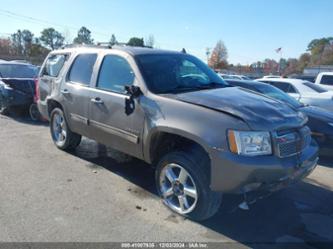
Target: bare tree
pixel 219 56
pixel 150 41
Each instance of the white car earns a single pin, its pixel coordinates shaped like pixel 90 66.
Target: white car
pixel 233 77
pixel 304 91
pixel 325 80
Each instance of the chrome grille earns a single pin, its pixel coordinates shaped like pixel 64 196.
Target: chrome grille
pixel 292 142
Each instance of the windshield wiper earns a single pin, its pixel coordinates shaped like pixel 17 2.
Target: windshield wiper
pixel 213 85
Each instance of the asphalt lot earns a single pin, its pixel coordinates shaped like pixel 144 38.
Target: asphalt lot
pixel 98 195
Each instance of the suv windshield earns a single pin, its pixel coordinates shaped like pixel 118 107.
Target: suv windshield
pixel 171 73
pixel 276 93
pixel 18 71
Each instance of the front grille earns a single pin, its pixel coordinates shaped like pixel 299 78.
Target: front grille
pixel 292 142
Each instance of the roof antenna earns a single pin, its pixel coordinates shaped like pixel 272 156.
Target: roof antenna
pixel 184 51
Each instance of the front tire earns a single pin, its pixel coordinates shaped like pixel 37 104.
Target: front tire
pixel 182 180
pixel 62 136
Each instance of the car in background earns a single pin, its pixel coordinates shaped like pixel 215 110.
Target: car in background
pixel 320 121
pixel 304 91
pixel 233 76
pixel 325 80
pixel 17 86
pixel 271 76
pixel 310 78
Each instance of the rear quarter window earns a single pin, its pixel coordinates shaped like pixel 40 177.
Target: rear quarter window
pixel 54 64
pixel 82 69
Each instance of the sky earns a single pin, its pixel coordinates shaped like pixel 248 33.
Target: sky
pixel 250 29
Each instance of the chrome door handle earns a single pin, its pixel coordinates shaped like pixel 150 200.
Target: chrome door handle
pixel 97 101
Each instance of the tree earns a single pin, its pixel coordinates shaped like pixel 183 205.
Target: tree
pixel 218 59
pixel 83 36
pixel 150 41
pixel 21 42
pixel 136 42
pixel 113 40
pixel 52 38
pixel 303 61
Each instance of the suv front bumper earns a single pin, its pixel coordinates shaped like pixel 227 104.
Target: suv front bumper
pixel 231 173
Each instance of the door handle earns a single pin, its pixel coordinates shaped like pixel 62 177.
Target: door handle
pixel 97 101
pixel 64 91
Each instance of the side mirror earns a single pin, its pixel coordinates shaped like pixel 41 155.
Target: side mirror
pixel 134 91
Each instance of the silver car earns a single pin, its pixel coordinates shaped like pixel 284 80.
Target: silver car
pixel 304 91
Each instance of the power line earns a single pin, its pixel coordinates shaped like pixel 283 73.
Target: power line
pixel 41 21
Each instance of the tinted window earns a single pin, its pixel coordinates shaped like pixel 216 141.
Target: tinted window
pixel 315 87
pixel 327 80
pixel 54 65
pixel 114 74
pixel 18 71
pixel 276 93
pixel 166 73
pixel 286 87
pixel 82 68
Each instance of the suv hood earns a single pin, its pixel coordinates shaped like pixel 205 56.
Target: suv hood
pixel 258 111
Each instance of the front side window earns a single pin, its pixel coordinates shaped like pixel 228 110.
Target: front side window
pixel 171 73
pixel 286 87
pixel 54 64
pixel 115 74
pixel 82 69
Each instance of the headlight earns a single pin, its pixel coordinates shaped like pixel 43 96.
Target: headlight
pixel 250 143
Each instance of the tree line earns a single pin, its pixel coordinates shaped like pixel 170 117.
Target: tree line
pixel 23 44
pixel 318 52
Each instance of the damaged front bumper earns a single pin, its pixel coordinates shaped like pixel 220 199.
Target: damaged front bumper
pixel 237 174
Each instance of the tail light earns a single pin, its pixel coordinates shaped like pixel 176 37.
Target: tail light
pixel 36 96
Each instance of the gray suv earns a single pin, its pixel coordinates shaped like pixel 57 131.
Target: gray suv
pixel 171 110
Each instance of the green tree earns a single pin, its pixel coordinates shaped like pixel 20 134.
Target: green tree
pixel 113 40
pixel 52 38
pixel 136 42
pixel 83 36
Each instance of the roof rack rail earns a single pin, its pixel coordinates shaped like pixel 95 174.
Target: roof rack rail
pixel 98 45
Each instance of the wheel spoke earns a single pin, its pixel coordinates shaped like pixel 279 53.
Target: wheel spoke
pixel 189 191
pixel 170 175
pixel 167 193
pixel 63 134
pixel 183 203
pixel 182 176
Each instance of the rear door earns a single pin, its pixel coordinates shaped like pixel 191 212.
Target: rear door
pixel 76 92
pixel 109 122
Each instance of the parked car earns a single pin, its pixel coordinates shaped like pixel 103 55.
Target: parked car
pixel 233 76
pixel 310 78
pixel 325 80
pixel 272 76
pixel 320 120
pixel 172 111
pixel 304 91
pixel 17 85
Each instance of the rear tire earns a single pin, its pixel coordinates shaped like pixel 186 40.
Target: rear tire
pixel 34 112
pixel 191 197
pixel 61 135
